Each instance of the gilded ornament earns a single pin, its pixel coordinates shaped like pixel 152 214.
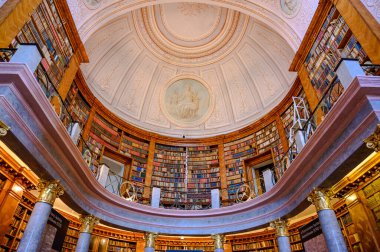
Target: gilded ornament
pixel 373 141
pixel 150 239
pixel 245 192
pixel 3 129
pixel 320 199
pixel 88 223
pixel 281 227
pixel 128 191
pixel 49 191
pixel 218 241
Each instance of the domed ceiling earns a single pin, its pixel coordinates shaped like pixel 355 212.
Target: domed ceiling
pixel 188 68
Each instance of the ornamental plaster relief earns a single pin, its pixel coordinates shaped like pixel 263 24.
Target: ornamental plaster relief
pixel 219 116
pixel 129 79
pixel 240 95
pixel 268 12
pixel 135 89
pixel 276 48
pixel 105 78
pixel 154 114
pixel 265 79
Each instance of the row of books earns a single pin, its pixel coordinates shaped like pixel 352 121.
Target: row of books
pixel 296 246
pixel 295 238
pixel 70 239
pixel 254 245
pixel 238 150
pixel 72 232
pixel 121 243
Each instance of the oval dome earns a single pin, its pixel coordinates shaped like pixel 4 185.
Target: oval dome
pixel 238 67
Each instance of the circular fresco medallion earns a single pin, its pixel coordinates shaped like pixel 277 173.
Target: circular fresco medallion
pixel 290 7
pixel 186 101
pixel 92 4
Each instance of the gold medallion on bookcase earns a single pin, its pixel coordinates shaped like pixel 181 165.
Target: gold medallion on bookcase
pixel 127 191
pixel 3 129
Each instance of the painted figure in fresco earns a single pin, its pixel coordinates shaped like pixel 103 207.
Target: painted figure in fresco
pixel 290 7
pixel 187 103
pixel 291 4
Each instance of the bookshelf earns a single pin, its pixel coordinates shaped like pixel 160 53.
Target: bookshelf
pixel 71 240
pixel 77 106
pixel 372 194
pixel 20 218
pixel 103 135
pixel 46 29
pixel 121 246
pixel 349 231
pixel 203 174
pixel 334 41
pixel 235 153
pixel 265 242
pixel 169 173
pixel 268 138
pixel 3 180
pixel 204 246
pixel 295 241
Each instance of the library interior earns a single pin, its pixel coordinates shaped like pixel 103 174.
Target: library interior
pixel 189 125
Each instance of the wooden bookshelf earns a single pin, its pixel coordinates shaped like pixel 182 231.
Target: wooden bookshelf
pixel 78 108
pixel 45 28
pixel 104 136
pixel 20 218
pixel 71 240
pixel 267 138
pixel 163 246
pixel 334 41
pixel 295 240
pixel 121 246
pixel 263 242
pixel 372 195
pixel 347 226
pixel 203 173
pixel 235 153
pixel 169 173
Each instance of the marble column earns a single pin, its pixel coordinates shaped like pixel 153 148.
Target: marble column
pixel 88 223
pixel 218 242
pixel 327 218
pixel 49 191
pixel 282 234
pixel 149 241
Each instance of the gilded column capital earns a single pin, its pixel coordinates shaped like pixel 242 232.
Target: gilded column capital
pixel 218 241
pixel 320 199
pixel 3 129
pixel 49 191
pixel 281 226
pixel 373 141
pixel 88 223
pixel 150 239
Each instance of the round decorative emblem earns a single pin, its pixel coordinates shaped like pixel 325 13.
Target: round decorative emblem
pixel 92 4
pixel 186 101
pixel 290 7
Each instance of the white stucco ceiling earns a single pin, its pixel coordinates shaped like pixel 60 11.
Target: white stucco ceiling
pixel 241 60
